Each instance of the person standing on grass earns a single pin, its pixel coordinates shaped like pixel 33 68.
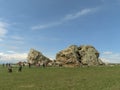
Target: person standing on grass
pixel 29 65
pixel 9 68
pixel 20 68
pixel 3 64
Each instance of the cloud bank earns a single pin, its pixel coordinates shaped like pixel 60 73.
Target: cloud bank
pixel 12 57
pixel 110 57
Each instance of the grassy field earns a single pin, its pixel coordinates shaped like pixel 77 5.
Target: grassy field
pixel 53 78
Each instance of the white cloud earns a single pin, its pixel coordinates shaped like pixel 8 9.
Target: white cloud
pixel 46 25
pixel 1 39
pixel 79 14
pixel 111 57
pixel 12 47
pixel 17 37
pixel 13 57
pixel 3 30
pixel 105 60
pixel 107 53
pixel 1 53
pixel 11 51
pixel 16 40
pixel 66 18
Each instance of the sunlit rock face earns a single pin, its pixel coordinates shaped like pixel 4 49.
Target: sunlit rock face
pixel 76 56
pixel 35 56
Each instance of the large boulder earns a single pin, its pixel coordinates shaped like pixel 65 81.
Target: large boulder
pixel 35 56
pixel 69 56
pixel 75 56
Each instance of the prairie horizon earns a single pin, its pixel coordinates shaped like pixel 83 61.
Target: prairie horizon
pixel 55 78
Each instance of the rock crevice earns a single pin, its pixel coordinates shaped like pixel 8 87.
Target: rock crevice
pixel 82 55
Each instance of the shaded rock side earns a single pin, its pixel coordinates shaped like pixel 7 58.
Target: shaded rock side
pixel 75 56
pixel 35 56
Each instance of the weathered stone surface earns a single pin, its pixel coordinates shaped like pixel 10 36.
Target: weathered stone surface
pixel 35 56
pixel 68 56
pixel 75 56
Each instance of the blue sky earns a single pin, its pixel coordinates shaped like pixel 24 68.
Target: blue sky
pixel 52 25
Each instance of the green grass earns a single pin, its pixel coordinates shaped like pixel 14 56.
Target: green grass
pixel 54 78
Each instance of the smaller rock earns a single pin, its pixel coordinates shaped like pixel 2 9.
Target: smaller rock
pixel 35 56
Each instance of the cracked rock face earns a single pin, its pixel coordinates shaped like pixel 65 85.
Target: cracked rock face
pixel 35 56
pixel 75 56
